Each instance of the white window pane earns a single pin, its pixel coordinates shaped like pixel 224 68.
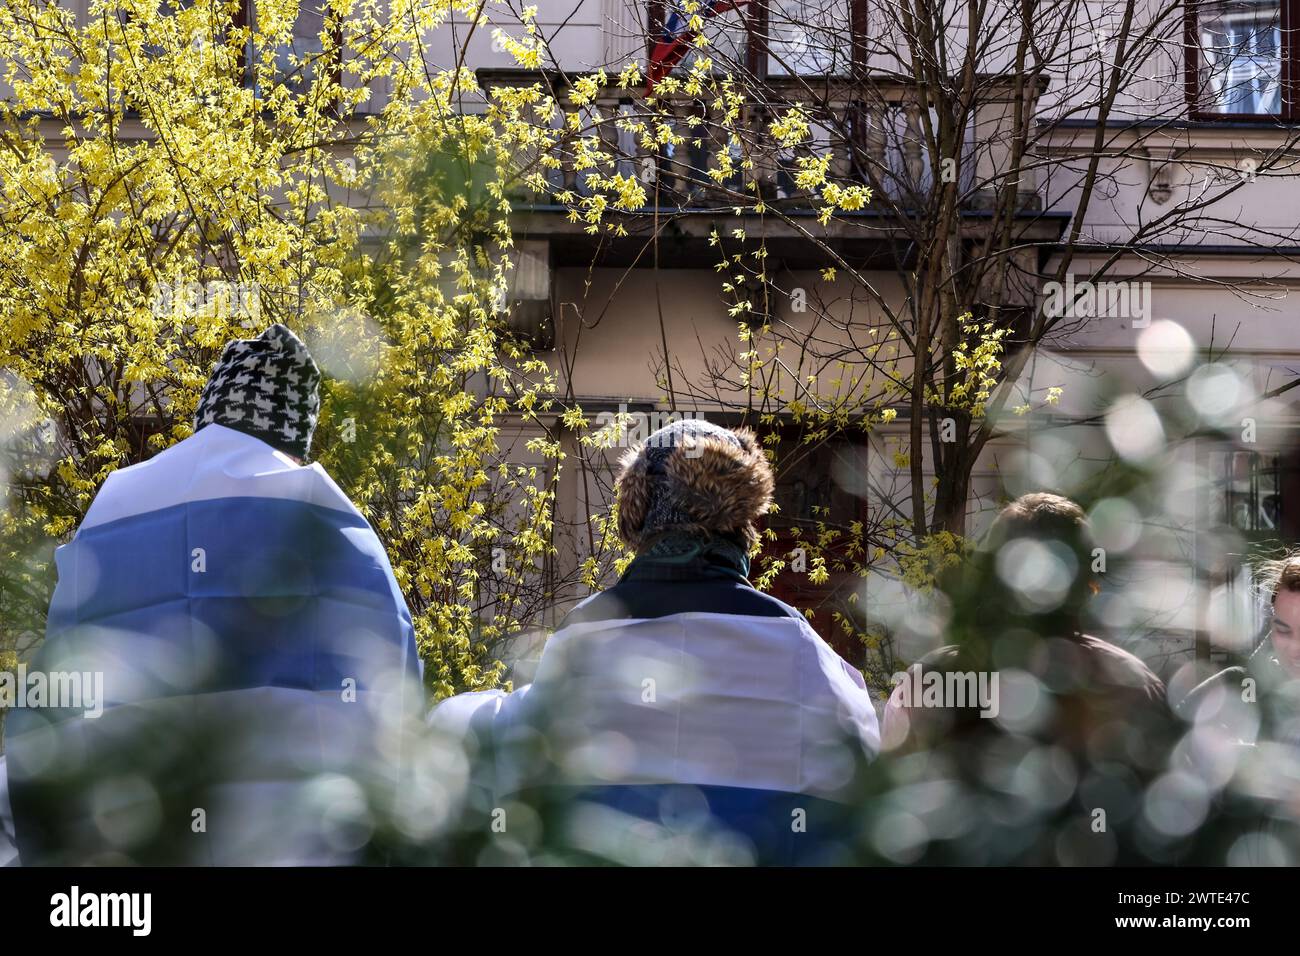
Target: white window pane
pixel 1241 57
pixel 809 37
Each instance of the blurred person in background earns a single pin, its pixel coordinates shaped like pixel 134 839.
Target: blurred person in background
pixel 1243 742
pixel 1029 609
pixel 255 650
pixel 681 715
pixel 1270 677
pixel 1054 770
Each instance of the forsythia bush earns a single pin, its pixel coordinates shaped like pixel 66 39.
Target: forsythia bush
pixel 177 175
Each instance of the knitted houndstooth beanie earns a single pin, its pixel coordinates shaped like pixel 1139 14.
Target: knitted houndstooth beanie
pixel 267 387
pixel 695 477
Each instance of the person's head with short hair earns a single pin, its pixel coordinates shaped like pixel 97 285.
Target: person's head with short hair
pixel 1036 566
pixel 1281 578
pixel 1027 581
pixel 1040 514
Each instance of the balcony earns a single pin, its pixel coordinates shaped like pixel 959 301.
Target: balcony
pixel 872 128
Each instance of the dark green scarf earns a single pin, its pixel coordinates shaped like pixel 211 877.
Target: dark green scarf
pixel 705 556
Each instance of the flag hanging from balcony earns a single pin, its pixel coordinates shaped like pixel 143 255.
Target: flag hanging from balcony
pixel 675 38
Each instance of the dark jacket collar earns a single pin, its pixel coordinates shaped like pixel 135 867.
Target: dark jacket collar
pixel 676 556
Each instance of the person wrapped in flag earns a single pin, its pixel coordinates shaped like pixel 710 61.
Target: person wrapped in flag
pixel 682 694
pixel 674 40
pixel 254 646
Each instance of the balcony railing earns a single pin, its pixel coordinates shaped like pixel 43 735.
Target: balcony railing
pixel 873 130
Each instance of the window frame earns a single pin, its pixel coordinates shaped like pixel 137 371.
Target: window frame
pixel 757 20
pixel 1289 109
pixel 245 17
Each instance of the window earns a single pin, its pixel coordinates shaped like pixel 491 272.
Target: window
pixel 807 37
pixel 727 32
pixel 297 63
pixel 302 59
pixel 1240 59
pixel 772 37
pixel 1250 498
pixel 1250 493
pixel 819 483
